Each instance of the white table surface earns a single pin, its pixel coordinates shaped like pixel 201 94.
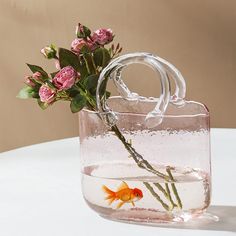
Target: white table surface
pixel 40 194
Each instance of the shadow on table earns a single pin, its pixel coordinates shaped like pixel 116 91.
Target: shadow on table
pixel 226 222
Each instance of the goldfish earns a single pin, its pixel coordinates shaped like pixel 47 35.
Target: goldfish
pixel 124 194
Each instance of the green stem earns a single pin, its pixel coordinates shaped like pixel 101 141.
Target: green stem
pixel 87 95
pixel 154 194
pixel 166 193
pixel 94 66
pixel 173 205
pixel 90 64
pixel 87 65
pixel 161 189
pixel 63 96
pixel 179 203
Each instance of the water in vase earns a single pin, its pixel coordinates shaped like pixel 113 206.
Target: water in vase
pixel 145 197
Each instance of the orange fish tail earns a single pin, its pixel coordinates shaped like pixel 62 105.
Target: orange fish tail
pixel 111 196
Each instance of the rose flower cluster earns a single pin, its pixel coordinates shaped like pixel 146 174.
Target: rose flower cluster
pixel 77 72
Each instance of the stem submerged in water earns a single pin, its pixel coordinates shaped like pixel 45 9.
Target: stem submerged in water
pixel 144 164
pixel 154 194
pixel 179 203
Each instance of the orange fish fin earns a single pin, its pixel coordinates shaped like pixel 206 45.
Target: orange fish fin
pixel 133 204
pixel 108 197
pixel 111 196
pixel 123 185
pixel 120 204
pixel 107 190
pixel 111 200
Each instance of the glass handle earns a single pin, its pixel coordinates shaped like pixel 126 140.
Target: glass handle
pixel 113 70
pixel 180 86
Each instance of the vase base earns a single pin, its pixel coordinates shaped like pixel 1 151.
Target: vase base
pixel 153 217
pixel 184 220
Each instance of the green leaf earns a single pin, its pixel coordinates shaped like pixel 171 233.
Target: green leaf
pixel 83 70
pixel 35 68
pixel 68 58
pixel 72 92
pixel 85 49
pixel 27 92
pixel 87 31
pixel 77 103
pixel 43 105
pixel 101 57
pixel 90 83
pixel 51 85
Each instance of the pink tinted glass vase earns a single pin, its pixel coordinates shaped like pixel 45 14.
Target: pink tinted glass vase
pixel 143 159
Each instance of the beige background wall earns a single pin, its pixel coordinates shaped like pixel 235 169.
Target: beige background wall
pixel 197 36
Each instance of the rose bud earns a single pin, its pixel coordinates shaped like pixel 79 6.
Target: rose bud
pixel 78 44
pixel 57 64
pixel 65 78
pixel 46 94
pixel 29 81
pixel 82 31
pixel 37 76
pixel 78 29
pixel 49 51
pixel 103 36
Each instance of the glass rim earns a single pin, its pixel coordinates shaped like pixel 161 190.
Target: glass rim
pixel 125 113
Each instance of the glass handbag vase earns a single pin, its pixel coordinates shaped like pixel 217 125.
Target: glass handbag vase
pixel 144 159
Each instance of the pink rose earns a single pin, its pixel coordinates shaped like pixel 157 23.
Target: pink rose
pixel 78 43
pixel 65 78
pixel 102 36
pixel 46 94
